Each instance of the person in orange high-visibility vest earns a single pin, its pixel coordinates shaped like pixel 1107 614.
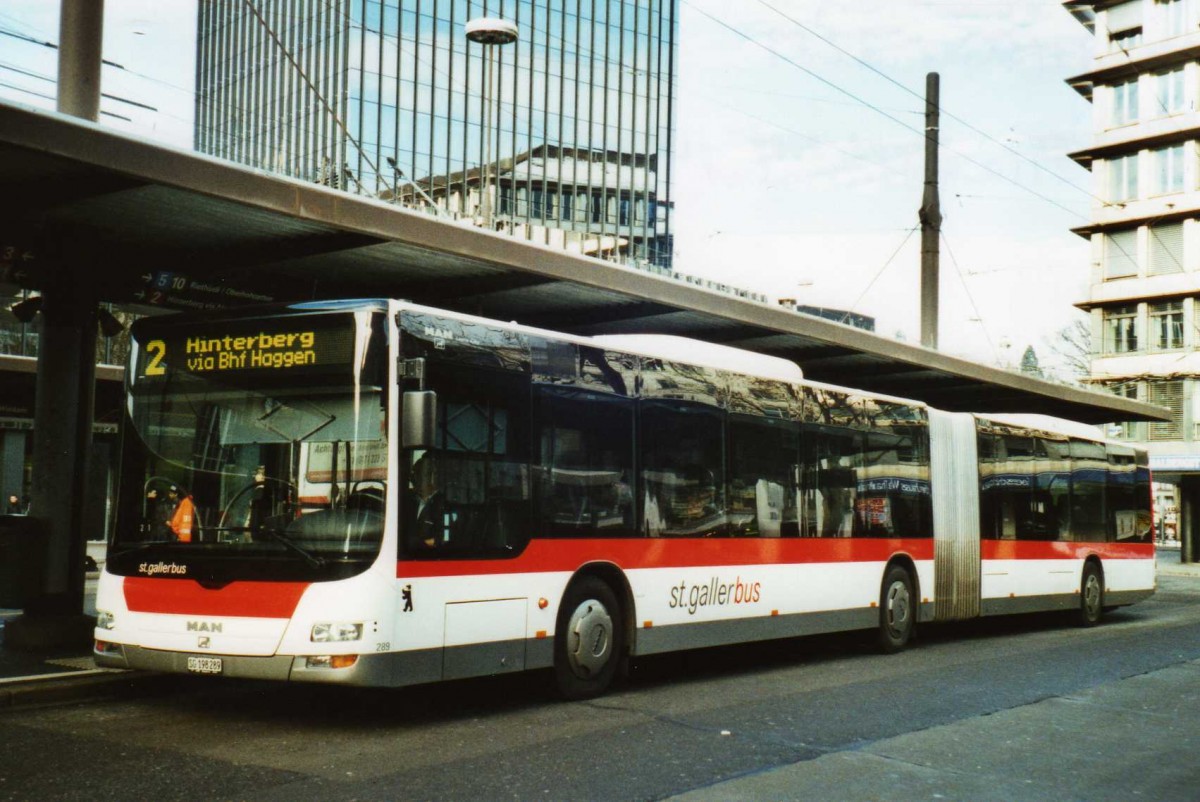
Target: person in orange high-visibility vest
pixel 184 517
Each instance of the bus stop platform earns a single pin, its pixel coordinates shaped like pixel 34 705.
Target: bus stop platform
pixel 51 676
pixel 56 677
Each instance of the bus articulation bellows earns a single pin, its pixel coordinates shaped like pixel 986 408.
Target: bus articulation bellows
pixel 388 494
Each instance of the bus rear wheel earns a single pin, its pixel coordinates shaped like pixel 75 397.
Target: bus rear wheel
pixel 589 640
pixel 1091 596
pixel 897 610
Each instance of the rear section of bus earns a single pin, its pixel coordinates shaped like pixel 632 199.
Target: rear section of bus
pixel 253 498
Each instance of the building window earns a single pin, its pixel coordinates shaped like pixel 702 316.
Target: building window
pixel 1126 430
pixel 1120 254
pixel 1167 394
pixel 1169 92
pixel 568 201
pixel 597 207
pixel 1172 16
pixel 1121 330
pixel 1123 178
pixel 1166 326
pixel 1124 24
pixel 1125 103
pixel 1166 249
pixel 1125 40
pixel 1168 172
pixel 624 212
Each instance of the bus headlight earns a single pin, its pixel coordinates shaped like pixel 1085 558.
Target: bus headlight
pixel 105 620
pixel 330 633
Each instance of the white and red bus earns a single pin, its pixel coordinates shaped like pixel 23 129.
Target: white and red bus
pixel 389 494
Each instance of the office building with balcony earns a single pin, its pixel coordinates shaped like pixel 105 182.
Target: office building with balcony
pixel 568 142
pixel 1144 87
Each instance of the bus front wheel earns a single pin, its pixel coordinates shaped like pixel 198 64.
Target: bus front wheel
pixel 897 610
pixel 589 639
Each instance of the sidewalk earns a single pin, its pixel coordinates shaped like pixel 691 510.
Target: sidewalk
pixel 63 676
pixel 1085 746
pixel 1169 565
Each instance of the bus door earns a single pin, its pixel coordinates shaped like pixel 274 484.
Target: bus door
pixel 954 475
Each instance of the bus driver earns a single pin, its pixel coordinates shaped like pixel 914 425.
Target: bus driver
pixel 427 504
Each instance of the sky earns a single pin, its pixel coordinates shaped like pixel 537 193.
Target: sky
pixel 797 170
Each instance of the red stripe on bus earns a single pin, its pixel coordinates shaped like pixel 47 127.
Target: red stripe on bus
pixel 238 599
pixel 566 555
pixel 1060 550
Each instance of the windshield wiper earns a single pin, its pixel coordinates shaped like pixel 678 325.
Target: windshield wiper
pixel 310 558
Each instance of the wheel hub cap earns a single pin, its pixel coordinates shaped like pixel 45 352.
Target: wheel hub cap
pixel 898 606
pixel 590 631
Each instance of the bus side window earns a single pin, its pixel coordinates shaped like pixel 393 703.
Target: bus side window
pixel 762 493
pixel 585 467
pixel 1089 478
pixel 682 469
pixel 832 462
pixel 1126 521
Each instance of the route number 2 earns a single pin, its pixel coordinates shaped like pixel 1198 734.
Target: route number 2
pixel 156 349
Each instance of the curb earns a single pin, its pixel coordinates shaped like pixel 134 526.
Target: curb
pixel 76 686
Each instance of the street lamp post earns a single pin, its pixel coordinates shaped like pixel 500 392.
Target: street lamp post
pixel 489 32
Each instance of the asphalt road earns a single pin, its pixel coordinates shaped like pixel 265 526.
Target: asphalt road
pixel 682 723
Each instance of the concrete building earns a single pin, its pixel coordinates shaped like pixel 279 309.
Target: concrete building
pixel 597 203
pixel 574 125
pixel 1144 86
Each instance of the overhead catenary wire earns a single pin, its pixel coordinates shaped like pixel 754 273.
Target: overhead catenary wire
pixel 867 65
pixel 970 299
pixel 47 78
pixel 921 133
pixel 44 96
pixel 879 273
pixel 816 76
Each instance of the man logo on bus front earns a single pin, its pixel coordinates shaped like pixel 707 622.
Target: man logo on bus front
pixel 203 642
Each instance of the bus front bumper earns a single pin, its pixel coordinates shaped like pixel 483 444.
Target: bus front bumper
pixel 368 669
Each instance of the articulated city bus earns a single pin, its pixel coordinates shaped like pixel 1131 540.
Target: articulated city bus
pixel 380 493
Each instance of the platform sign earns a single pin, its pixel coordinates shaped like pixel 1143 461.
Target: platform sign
pixel 179 291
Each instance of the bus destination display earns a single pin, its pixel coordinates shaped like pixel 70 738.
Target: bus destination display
pixel 292 345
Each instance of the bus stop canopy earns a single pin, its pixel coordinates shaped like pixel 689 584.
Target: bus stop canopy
pixel 165 227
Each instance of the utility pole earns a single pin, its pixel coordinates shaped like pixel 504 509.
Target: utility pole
pixel 931 218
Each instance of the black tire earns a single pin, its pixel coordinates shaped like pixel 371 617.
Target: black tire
pixel 897 610
pixel 1091 595
pixel 589 640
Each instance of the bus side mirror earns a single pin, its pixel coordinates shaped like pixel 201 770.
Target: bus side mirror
pixel 419 420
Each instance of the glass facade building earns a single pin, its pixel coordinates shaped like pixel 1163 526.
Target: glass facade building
pixel 389 99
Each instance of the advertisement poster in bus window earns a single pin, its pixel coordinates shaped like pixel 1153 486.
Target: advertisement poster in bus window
pixel 368 462
pixel 875 512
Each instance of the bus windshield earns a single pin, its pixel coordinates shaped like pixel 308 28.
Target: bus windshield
pixel 254 443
